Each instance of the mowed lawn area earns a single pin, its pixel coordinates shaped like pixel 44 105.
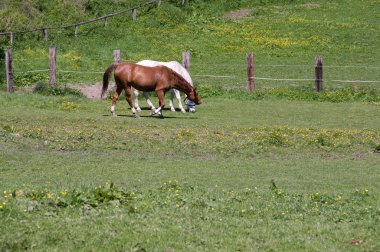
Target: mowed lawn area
pixel 235 175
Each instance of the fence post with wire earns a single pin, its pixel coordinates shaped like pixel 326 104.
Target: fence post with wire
pixel 9 70
pixel 117 56
pixel 186 60
pixel 318 74
pixel 250 72
pixel 52 64
pixel 251 78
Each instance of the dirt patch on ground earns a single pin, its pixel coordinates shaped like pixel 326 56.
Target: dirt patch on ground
pixel 90 91
pixel 238 14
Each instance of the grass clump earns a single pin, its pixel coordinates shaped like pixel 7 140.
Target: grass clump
pixel 45 89
pixel 167 16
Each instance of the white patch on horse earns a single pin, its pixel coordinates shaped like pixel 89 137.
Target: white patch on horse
pixel 113 110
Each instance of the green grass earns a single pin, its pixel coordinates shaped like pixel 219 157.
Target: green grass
pixel 204 178
pixel 212 219
pixel 283 168
pixel 285 38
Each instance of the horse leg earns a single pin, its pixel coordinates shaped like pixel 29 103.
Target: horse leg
pixel 135 96
pixel 161 96
pixel 150 103
pixel 115 96
pixel 178 96
pixel 128 97
pixel 171 100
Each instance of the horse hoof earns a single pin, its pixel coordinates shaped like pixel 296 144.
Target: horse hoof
pixel 172 109
pixel 183 111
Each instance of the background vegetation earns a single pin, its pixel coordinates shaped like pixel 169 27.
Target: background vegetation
pixel 281 168
pixel 285 37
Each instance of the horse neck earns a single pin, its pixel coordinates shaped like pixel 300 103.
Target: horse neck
pixel 180 83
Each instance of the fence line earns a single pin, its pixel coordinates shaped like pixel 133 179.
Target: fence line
pixel 240 65
pixel 226 64
pixel 283 79
pixel 80 72
pixel 33 71
pixel 354 81
pixel 216 76
pixel 290 66
pixel 186 61
pixel 76 25
pixel 211 76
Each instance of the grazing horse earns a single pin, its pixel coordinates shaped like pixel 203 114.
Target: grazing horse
pixel 159 79
pixel 176 67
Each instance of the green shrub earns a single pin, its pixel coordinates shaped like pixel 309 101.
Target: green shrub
pixel 27 79
pixel 44 89
pixel 166 16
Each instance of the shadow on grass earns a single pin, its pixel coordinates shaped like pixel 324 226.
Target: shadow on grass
pixel 153 117
pixel 157 116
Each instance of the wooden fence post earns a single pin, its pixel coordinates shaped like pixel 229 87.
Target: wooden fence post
pixel 250 72
pixel 117 56
pixel 12 37
pixel 134 13
pixel 186 60
pixel 52 63
pixel 9 70
pixel 76 30
pixel 318 73
pixel 158 3
pixel 46 35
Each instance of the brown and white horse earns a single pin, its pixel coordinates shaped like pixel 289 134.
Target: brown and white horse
pixel 159 79
pixel 176 67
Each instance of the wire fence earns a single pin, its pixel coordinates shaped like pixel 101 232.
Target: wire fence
pixel 229 76
pixel 76 25
pixel 224 74
pixel 282 79
pixel 213 76
pixel 234 76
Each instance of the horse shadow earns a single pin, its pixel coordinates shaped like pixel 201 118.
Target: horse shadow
pixel 154 117
pixel 167 115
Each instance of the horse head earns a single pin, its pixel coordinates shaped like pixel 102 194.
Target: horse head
pixel 193 96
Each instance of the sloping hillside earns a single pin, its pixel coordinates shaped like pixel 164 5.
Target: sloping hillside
pixel 277 32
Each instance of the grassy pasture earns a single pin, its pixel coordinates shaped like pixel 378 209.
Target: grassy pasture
pixel 285 37
pixel 282 168
pixel 204 178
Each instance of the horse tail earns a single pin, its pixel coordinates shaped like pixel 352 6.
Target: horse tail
pixel 106 78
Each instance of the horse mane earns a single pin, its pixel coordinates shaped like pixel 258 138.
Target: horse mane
pixel 179 79
pixel 178 68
